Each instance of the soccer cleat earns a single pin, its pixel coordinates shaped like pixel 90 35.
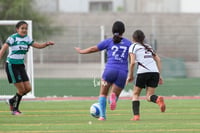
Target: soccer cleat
pixel 160 102
pixel 135 118
pixel 10 104
pixel 112 101
pixel 101 119
pixel 16 112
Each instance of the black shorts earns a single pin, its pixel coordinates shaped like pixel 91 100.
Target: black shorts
pixel 150 79
pixel 16 73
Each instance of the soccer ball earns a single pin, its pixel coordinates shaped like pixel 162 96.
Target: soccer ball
pixel 95 110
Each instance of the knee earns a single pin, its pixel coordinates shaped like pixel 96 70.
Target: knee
pixel 28 89
pixel 136 94
pixel 148 98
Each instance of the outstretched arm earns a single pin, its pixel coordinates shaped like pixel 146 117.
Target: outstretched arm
pixel 158 63
pixel 42 45
pixel 3 49
pixel 87 50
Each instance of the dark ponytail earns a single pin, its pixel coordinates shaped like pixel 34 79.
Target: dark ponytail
pixel 139 37
pixel 118 29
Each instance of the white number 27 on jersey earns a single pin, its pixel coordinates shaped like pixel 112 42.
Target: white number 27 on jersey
pixel 115 49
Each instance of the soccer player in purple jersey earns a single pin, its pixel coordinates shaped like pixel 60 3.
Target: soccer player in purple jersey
pixel 116 68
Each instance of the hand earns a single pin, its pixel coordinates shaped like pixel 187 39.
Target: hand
pixel 77 49
pixel 49 43
pixel 129 79
pixel 160 81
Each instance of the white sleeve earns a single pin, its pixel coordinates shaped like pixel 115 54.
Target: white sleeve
pixel 131 48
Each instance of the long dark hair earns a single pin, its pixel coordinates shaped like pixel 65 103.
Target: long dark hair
pixel 139 37
pixel 118 29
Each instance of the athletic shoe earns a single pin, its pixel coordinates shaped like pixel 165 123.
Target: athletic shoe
pixel 112 101
pixel 160 102
pixel 135 118
pixel 10 104
pixel 101 119
pixel 16 112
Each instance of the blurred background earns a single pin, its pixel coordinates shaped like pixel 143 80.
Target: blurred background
pixel 172 27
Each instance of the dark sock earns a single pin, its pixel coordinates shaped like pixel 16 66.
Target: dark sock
pixel 12 100
pixel 153 98
pixel 17 102
pixel 136 107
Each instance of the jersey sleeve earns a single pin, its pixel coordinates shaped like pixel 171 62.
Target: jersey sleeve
pixel 132 48
pixel 30 41
pixel 103 44
pixel 10 41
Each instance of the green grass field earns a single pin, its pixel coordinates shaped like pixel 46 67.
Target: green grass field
pixel 73 116
pixel 181 116
pixel 85 87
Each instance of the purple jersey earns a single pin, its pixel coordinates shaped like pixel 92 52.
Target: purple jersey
pixel 117 54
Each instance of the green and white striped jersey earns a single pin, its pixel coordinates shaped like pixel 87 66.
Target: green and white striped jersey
pixel 18 47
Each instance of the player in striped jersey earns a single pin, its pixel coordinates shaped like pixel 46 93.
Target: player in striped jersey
pixel 18 45
pixel 148 73
pixel 116 69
